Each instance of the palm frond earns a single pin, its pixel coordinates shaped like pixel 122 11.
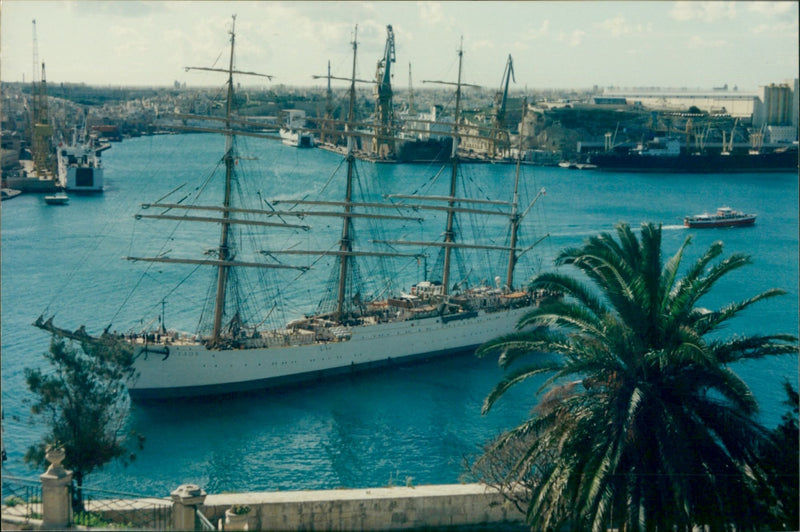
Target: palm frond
pixel 669 273
pixel 602 260
pixel 711 321
pixel 569 286
pixel 515 377
pixel 699 266
pixel 751 347
pixel 650 269
pixel 704 284
pixel 630 249
pixel 515 345
pixel 564 314
pixel 639 408
pixel 514 341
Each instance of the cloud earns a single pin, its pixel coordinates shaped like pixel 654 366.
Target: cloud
pixel 617 26
pixel 129 9
pixel 431 13
pixel 573 38
pixel 788 28
pixel 771 8
pixel 703 11
pixel 482 44
pixel 538 33
pixel 699 42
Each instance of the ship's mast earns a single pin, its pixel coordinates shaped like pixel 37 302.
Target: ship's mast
pixel 453 204
pixel 346 244
pixel 223 252
pixel 328 106
pixel 411 110
pixel 345 250
pixel 515 217
pixel 449 235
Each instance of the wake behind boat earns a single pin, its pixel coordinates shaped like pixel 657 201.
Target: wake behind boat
pixel 350 331
pixel 724 217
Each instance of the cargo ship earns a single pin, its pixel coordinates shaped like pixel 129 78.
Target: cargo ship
pixel 431 150
pixel 724 217
pixel 665 155
pixel 80 168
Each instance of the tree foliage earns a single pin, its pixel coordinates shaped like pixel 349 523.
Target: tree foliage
pixel 780 460
pixel 644 424
pixel 84 402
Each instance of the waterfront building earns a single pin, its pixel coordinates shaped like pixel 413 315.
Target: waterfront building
pixel 773 108
pixel 737 104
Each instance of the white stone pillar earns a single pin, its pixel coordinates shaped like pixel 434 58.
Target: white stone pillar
pixel 186 499
pixel 56 499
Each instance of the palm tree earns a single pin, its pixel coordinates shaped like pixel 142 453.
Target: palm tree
pixel 644 424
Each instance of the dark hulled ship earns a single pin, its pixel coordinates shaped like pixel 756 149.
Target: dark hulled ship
pixel 665 155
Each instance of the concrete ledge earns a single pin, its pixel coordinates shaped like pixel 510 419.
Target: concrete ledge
pixel 401 508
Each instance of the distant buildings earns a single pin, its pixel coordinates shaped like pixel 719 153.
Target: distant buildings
pixel 733 103
pixel 777 111
pixel 773 107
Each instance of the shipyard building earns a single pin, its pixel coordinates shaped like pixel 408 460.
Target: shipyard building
pixel 773 107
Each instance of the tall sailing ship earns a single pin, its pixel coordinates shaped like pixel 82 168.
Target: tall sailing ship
pixel 355 331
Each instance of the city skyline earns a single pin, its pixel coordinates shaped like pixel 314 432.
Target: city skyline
pixel 553 44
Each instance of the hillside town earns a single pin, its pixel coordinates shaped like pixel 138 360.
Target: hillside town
pixel 559 125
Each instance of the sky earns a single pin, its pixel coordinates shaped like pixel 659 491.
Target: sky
pixel 553 44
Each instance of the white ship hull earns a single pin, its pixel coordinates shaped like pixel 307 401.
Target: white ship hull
pixel 83 179
pixel 190 370
pixel 80 169
pixel 297 139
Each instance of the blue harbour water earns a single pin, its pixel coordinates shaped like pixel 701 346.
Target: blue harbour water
pixel 387 426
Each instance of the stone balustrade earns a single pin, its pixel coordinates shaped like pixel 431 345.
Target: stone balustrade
pixel 392 508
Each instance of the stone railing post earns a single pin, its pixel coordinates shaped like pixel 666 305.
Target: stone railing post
pixel 56 499
pixel 186 500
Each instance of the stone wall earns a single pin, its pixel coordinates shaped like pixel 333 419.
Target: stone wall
pixel 449 505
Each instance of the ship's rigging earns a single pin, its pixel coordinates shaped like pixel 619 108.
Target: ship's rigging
pixel 225 256
pixel 352 327
pixel 226 312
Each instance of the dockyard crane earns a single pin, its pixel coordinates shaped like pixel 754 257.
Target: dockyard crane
pixel 500 99
pixel 384 113
pixel 41 128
